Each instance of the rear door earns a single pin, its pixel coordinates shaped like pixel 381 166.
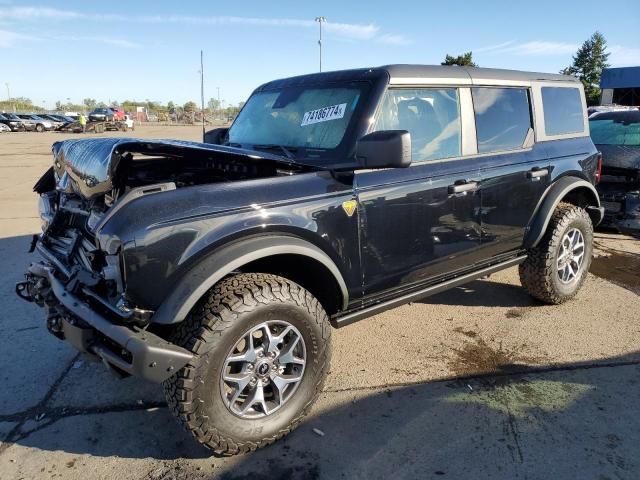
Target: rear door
pixel 514 169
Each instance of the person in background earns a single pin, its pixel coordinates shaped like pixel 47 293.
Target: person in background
pixel 83 122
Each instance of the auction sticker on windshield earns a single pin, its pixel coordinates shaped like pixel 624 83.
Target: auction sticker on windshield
pixel 324 114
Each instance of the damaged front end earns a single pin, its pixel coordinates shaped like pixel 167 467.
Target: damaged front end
pixel 619 188
pixel 81 283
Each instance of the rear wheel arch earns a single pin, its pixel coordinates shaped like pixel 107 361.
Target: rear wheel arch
pixel 568 189
pixel 287 256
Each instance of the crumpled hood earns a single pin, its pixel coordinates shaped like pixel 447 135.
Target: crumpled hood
pixel 87 166
pixel 620 156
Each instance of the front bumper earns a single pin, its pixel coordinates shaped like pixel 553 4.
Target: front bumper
pixel 124 349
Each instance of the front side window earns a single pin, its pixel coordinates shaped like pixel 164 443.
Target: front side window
pixel 503 118
pixel 430 115
pixel 562 110
pixel 297 117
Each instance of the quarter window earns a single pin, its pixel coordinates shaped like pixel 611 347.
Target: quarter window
pixel 503 118
pixel 562 110
pixel 430 115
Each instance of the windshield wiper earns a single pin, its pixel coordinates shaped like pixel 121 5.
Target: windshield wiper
pixel 287 151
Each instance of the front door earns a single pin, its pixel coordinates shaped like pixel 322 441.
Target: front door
pixel 423 221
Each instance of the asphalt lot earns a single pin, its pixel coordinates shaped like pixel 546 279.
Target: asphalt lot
pixel 478 382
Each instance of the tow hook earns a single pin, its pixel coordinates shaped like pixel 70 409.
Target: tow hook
pixel 23 290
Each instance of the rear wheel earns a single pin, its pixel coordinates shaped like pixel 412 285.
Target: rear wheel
pixel 262 350
pixel 556 268
pixel 39 128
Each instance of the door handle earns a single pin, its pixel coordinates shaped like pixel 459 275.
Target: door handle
pixel 537 173
pixel 462 186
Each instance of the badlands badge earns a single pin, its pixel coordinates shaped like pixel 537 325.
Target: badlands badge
pixel 349 207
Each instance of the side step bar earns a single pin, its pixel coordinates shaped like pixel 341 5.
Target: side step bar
pixel 350 318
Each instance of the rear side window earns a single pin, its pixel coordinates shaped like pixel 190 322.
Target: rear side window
pixel 503 118
pixel 430 115
pixel 562 110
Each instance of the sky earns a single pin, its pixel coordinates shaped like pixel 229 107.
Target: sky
pixel 139 50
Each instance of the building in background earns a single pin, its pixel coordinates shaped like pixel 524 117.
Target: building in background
pixel 620 86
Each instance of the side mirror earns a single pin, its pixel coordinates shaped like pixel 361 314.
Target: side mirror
pixel 384 149
pixel 215 136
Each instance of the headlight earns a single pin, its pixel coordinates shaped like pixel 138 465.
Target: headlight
pixel 45 209
pixel 47 124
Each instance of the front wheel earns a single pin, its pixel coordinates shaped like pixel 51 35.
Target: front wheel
pixel 556 268
pixel 261 347
pixel 39 128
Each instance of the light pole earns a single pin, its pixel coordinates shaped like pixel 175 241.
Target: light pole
pixel 219 106
pixel 8 93
pixel 320 20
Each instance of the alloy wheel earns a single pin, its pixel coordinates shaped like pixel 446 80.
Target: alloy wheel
pixel 263 370
pixel 570 256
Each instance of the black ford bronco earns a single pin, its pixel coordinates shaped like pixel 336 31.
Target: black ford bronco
pixel 220 268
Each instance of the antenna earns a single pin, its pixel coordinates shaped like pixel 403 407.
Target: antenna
pixel 202 90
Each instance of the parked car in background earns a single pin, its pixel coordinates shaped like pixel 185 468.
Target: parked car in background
pixel 219 268
pixel 13 122
pixel 102 115
pixel 617 135
pixel 608 108
pixel 4 128
pixel 39 123
pixel 55 120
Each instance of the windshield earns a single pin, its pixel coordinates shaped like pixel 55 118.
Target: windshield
pixel 616 128
pixel 310 118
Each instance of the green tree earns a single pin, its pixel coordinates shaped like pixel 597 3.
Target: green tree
pixel 59 106
pixel 171 106
pixel 213 104
pixel 90 103
pixel 464 60
pixel 190 107
pixel 588 63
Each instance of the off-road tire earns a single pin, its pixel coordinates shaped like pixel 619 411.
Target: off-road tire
pixel 538 273
pixel 210 331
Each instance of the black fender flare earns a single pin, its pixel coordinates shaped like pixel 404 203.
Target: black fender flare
pixel 553 196
pixel 215 266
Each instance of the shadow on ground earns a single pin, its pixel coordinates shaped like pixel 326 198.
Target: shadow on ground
pixel 484 293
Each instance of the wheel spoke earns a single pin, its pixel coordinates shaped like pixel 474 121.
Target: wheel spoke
pixel 255 397
pixel 281 381
pixel 286 355
pixel 249 355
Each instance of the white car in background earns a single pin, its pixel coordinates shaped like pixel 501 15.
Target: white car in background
pixel 4 128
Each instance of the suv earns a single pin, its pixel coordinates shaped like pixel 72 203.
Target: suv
pixel 219 268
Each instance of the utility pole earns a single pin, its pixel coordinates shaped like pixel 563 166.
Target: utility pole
pixel 202 90
pixel 219 105
pixel 8 94
pixel 320 20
